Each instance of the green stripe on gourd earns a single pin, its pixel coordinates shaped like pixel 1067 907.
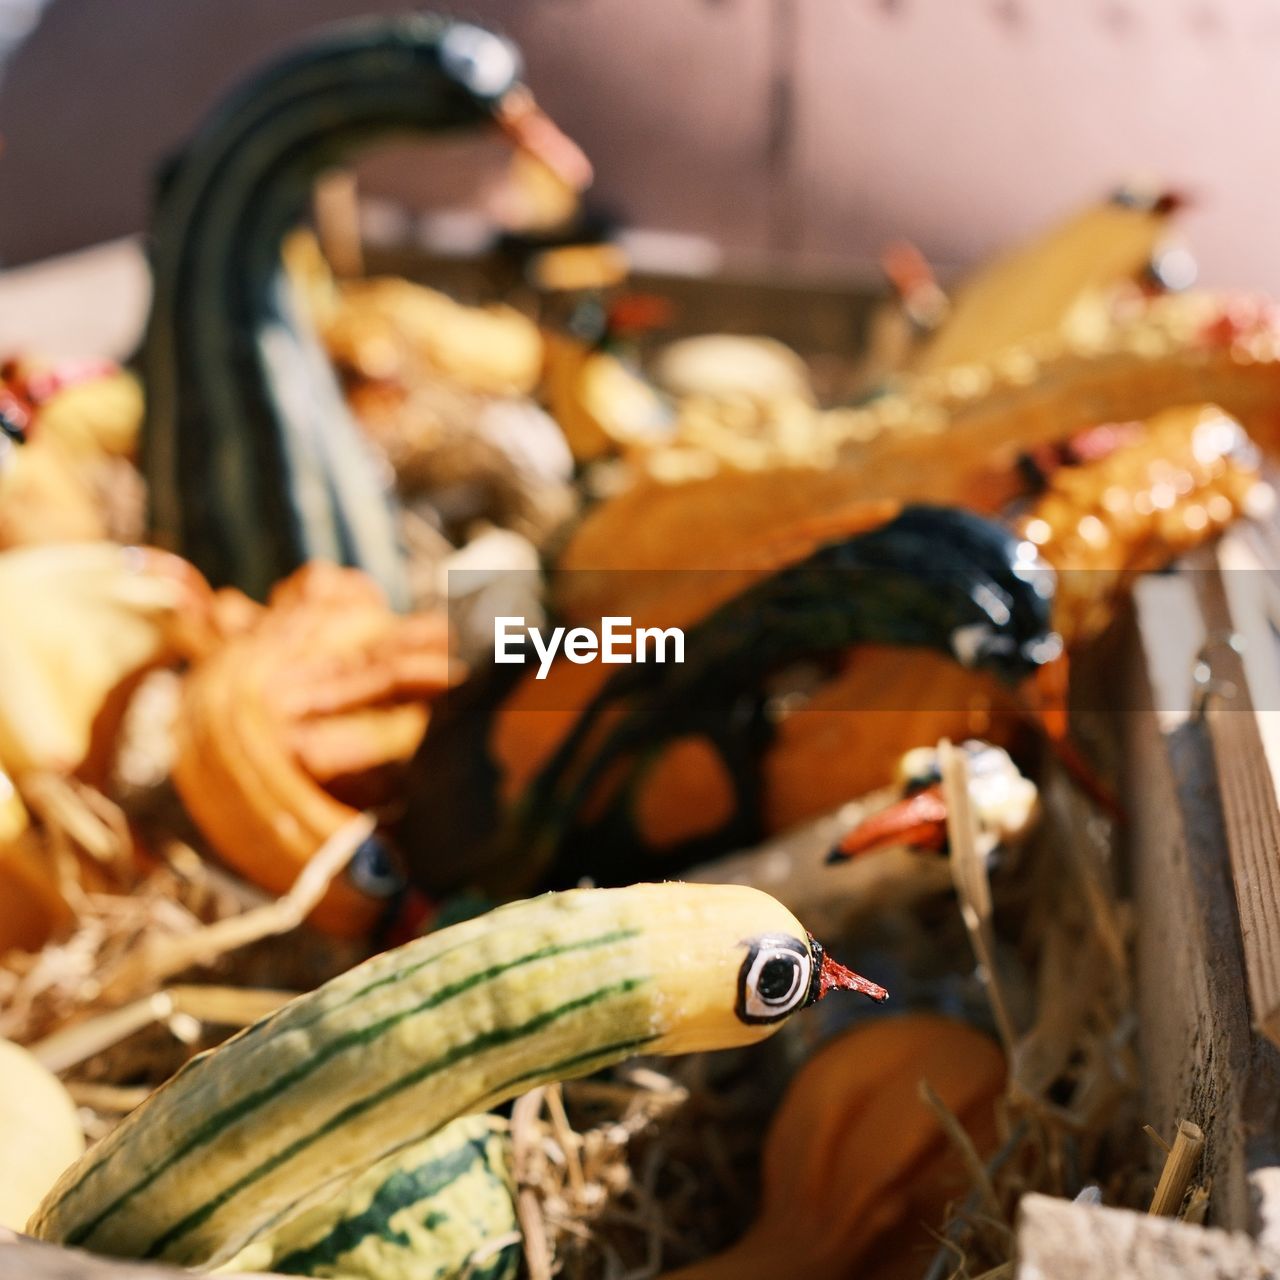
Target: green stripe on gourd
pixel 439 1209
pixel 294 1108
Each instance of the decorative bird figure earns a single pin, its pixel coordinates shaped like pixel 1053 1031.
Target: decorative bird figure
pixel 254 462
pixel 929 578
pixel 1005 805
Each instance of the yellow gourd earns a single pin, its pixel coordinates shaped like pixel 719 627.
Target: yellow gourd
pixel 243 1139
pixel 40 1135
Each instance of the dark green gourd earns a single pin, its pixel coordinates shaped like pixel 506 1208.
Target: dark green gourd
pixel 254 462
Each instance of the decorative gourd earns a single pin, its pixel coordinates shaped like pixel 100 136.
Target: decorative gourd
pixel 245 1137
pixel 93 407
pixel 40 1134
pixel 254 462
pixel 81 621
pixel 640 540
pixel 1034 289
pixel 930 578
pixel 1005 806
pixel 388 330
pixel 728 366
pixel 856 1167
pixel 601 403
pixel 678 584
pixel 946 437
pixel 323 690
pixel 434 1209
pixel 847 739
pixel 539 712
pixel 1168 485
pixel 44 497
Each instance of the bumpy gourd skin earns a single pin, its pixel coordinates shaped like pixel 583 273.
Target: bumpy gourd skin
pixel 386 1054
pixel 435 1208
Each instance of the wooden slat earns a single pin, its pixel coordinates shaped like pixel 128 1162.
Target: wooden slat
pixel 1201 1057
pixel 1247 785
pixel 1060 1240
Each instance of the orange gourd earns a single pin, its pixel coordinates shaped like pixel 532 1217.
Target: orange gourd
pixel 32 908
pixel 670 555
pixel 324 685
pixel 844 744
pixel 848 738
pixel 856 1167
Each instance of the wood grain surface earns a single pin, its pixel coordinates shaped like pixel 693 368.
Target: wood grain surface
pixel 1202 1059
pixel 1059 1240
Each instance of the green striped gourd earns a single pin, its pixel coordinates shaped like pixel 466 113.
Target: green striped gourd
pixel 290 1110
pixel 438 1209
pixel 253 460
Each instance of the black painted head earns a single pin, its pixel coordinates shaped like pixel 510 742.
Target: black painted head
pixel 991 591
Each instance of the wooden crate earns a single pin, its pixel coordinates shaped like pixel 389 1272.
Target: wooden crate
pixel 1202 1057
pixel 1187 782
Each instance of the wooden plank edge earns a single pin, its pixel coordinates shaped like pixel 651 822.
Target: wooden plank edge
pixel 1061 1240
pixel 1250 806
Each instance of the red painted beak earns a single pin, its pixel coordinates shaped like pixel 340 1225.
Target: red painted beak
pixel 532 130
pixel 919 822
pixel 833 976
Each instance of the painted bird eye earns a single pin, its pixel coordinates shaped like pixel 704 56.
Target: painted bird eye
pixel 375 870
pixel 776 978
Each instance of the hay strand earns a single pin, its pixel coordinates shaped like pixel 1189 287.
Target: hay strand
pixel 160 957
pixel 1179 1165
pixel 973 889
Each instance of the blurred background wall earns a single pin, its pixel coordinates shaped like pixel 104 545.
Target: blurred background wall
pixel 798 133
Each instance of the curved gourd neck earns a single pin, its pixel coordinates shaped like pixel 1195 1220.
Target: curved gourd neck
pixel 363 81
pixel 254 461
